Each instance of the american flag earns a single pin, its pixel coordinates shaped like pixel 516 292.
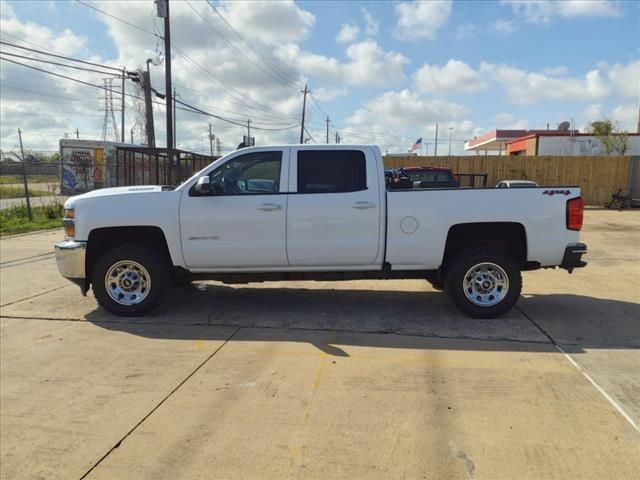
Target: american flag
pixel 417 145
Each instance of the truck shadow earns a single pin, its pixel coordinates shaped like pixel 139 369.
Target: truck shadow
pixel 287 313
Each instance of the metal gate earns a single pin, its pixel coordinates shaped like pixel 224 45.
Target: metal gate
pixel 151 166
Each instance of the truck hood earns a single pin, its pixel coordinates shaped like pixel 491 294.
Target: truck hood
pixel 116 191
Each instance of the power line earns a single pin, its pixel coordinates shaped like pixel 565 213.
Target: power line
pixel 62 64
pixel 243 125
pixel 37 92
pixel 237 93
pixel 184 55
pixel 286 77
pixel 182 87
pixel 66 77
pixel 190 108
pixel 133 25
pixel 228 42
pixel 58 56
pixel 317 105
pixel 310 136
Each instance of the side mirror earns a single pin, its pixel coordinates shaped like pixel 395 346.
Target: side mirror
pixel 203 185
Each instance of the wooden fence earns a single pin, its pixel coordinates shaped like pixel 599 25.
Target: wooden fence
pixel 599 177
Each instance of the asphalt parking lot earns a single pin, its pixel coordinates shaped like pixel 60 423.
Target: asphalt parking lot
pixel 358 379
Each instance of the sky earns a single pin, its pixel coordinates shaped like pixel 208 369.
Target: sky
pixel 383 72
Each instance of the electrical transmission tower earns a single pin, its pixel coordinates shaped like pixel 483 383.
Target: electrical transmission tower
pixel 109 122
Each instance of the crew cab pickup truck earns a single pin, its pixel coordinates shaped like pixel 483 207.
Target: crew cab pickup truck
pixel 315 212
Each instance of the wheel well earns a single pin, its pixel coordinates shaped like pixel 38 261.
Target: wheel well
pixel 103 239
pixel 506 236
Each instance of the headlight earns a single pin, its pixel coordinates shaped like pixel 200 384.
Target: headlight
pixel 69 224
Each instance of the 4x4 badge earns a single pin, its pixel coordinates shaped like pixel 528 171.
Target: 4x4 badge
pixel 551 193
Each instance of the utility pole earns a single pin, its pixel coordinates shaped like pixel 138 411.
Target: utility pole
pixel 24 177
pixel 328 129
pixel 450 130
pixel 77 133
pixel 304 107
pixel 131 132
pixel 435 148
pixel 211 137
pixel 248 132
pixel 124 73
pixel 163 12
pixel 149 128
pixel 174 118
pixel 218 146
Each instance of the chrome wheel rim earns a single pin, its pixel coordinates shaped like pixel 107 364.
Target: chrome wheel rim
pixel 486 284
pixel 127 282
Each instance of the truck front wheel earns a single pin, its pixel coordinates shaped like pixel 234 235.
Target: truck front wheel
pixel 129 280
pixel 483 282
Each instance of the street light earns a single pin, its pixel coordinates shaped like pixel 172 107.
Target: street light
pixel 450 130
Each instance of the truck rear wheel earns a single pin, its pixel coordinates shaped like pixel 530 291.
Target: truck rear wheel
pixel 484 282
pixel 130 280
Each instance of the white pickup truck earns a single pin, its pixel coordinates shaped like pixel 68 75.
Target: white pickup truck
pixel 316 212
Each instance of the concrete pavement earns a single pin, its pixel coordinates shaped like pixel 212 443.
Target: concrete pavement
pixel 311 380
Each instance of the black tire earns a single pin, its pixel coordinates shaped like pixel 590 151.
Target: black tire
pixel 456 278
pixel 156 266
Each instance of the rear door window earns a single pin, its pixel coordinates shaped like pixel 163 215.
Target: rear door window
pixel 331 171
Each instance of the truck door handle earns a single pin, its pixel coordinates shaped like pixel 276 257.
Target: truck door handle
pixel 268 207
pixel 363 205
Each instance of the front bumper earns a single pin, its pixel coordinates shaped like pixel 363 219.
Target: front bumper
pixel 573 257
pixel 70 257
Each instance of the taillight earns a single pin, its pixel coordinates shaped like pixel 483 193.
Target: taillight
pixel 575 213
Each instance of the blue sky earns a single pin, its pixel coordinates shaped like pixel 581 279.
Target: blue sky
pixel 397 69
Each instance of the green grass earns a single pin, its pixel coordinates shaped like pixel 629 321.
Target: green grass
pixel 12 191
pixel 4 179
pixel 16 220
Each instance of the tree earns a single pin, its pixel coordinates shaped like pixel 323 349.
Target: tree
pixel 615 142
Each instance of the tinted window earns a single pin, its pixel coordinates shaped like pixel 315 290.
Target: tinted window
pixel 429 176
pixel 331 171
pixel 257 172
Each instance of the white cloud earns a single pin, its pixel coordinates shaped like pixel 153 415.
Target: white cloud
pixel 421 20
pixel 559 71
pixel 328 94
pixel 269 22
pixel 406 109
pixel 348 33
pixel 545 11
pixel 624 116
pixel 508 121
pixel 524 87
pixel 369 65
pixel 372 25
pixel 455 76
pixel 396 118
pixel 503 26
pixel 529 87
pixel 64 41
pixel 588 8
pixel 626 78
pixel 593 113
